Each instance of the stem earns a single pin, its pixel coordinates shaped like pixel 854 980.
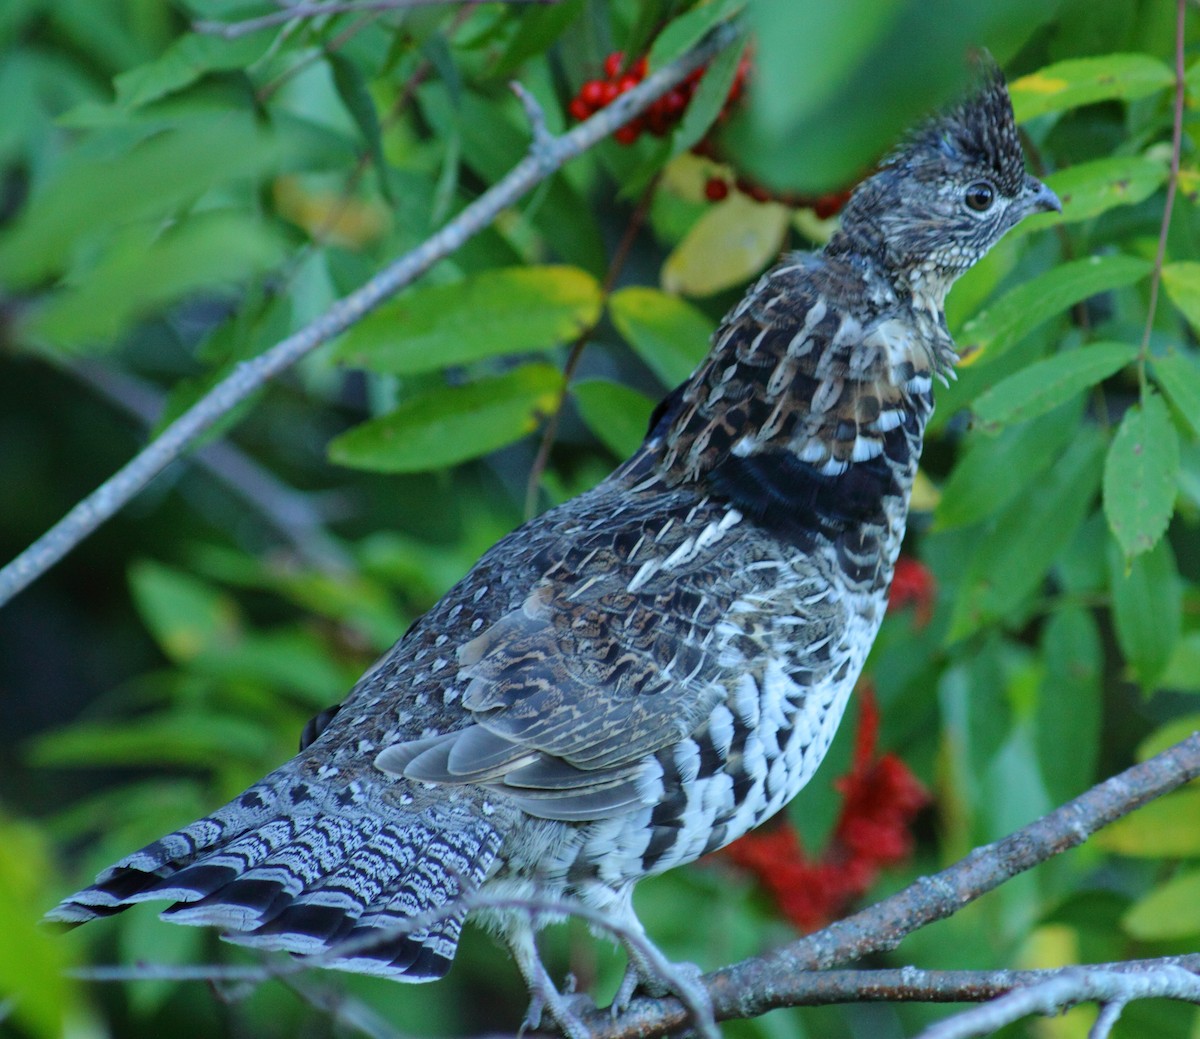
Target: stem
pixel 1172 185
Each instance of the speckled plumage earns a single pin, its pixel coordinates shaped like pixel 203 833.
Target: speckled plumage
pixel 646 672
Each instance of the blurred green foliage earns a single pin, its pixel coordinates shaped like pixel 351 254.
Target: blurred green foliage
pixel 173 202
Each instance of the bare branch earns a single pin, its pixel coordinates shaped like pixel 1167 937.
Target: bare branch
pixel 295 11
pixel 798 974
pixel 294 514
pixel 780 978
pixel 250 375
pixel 1070 987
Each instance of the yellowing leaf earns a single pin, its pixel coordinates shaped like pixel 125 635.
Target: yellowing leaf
pixel 925 494
pixel 1171 910
pixel 1168 827
pixel 730 244
pixel 328 216
pixel 1040 83
pixel 1182 282
pixel 34 961
pixel 1084 81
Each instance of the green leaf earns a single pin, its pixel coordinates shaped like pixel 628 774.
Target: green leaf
pixel 994 468
pixel 511 310
pixel 35 963
pixel 1091 188
pixel 1084 81
pixel 807 51
pixel 1022 309
pixel 712 92
pixel 540 26
pixel 1141 476
pixel 1171 910
pixel 684 32
pixel 141 272
pixel 1013 559
pixel 667 333
pixel 1183 670
pixel 177 739
pixel 1182 282
pixel 351 86
pixel 1066 726
pixel 1166 828
pixel 616 414
pixel 1178 375
pixel 452 424
pixel 186 616
pixel 1147 609
pixel 92 195
pixel 1043 386
pixel 188 59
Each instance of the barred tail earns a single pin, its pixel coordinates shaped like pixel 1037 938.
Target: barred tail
pixel 313 872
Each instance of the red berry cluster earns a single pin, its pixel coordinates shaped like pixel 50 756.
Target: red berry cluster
pixel 717 188
pixel 663 114
pixel 880 798
pixel 913 585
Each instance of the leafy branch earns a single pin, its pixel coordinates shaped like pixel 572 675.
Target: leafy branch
pixel 546 156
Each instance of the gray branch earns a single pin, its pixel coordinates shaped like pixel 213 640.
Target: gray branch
pixel 1112 989
pixel 785 976
pixel 296 11
pixel 546 156
pixel 799 974
pixel 295 515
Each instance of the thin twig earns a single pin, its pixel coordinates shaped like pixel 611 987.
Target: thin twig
pixel 776 979
pixel 1072 986
pixel 292 12
pixel 294 514
pixel 249 376
pixel 550 433
pixel 1172 185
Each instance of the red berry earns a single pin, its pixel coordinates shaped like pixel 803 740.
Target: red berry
pixel 579 109
pixel 628 133
pixel 608 91
pixel 592 94
pixel 627 82
pixel 715 189
pixel 657 121
pixel 639 67
pixel 675 101
pixel 613 63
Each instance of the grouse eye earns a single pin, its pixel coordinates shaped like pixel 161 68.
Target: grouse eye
pixel 980 196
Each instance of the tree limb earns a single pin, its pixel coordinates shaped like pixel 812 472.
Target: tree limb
pixel 784 977
pixel 297 516
pixel 545 157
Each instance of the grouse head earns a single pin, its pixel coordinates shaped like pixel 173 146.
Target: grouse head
pixel 948 193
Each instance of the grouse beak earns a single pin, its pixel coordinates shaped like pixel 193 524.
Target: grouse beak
pixel 1040 199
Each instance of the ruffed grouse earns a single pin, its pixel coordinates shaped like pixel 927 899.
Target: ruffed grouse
pixel 644 673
